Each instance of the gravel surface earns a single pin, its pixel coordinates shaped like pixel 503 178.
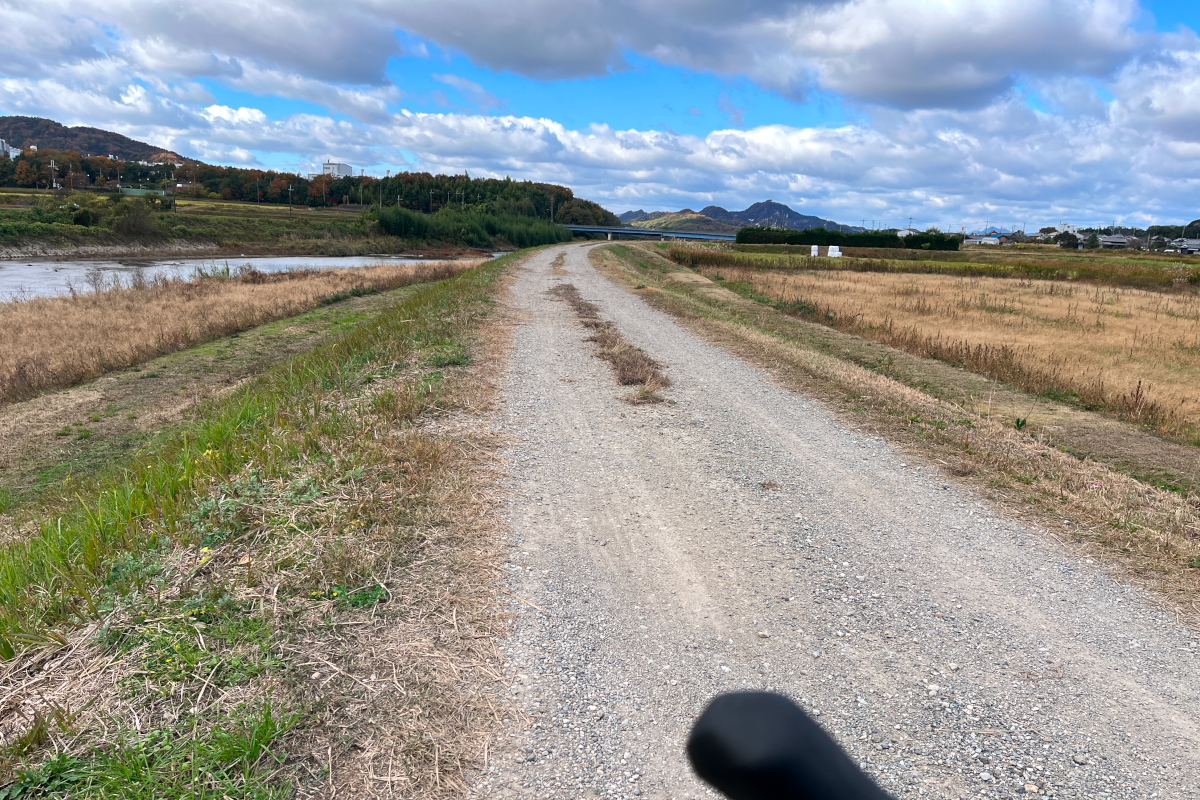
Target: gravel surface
pixel 954 653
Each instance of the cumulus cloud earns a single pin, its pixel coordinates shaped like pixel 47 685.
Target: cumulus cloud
pixel 908 53
pixel 902 53
pixel 1057 108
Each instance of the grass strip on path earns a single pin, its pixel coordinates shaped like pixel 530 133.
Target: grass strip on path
pixel 631 366
pixel 293 597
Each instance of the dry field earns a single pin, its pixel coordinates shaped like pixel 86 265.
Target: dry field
pixel 1129 351
pixel 54 342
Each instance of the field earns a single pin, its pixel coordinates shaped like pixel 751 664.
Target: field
pixel 1132 352
pixel 53 342
pixel 1108 268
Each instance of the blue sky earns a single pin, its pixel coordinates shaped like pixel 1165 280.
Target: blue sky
pixel 954 114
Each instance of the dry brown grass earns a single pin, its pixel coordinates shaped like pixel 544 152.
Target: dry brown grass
pixel 54 342
pixel 1131 352
pixel 631 366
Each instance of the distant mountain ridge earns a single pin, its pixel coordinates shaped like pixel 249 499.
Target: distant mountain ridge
pixel 50 135
pixel 715 219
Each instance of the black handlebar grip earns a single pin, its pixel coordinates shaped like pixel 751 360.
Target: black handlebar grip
pixel 761 746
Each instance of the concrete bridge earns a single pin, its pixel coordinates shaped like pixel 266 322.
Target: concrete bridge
pixel 720 237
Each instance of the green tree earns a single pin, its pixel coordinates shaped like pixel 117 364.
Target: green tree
pixel 1093 241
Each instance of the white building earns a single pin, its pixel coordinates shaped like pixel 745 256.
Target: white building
pixel 8 151
pixel 337 169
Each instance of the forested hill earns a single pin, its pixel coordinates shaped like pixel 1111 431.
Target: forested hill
pixel 50 135
pixel 77 158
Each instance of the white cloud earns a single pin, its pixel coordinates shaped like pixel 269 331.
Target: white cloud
pixel 472 92
pixel 908 53
pixel 939 91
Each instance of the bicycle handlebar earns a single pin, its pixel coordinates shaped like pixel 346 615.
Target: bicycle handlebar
pixel 761 746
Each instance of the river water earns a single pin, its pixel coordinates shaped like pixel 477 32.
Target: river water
pixel 35 278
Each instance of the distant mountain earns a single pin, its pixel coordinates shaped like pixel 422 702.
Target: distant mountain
pixel 714 219
pixel 50 135
pixel 769 214
pixel 686 220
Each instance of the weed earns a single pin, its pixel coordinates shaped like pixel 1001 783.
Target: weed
pixel 363 597
pixel 1020 423
pixel 65 430
pixel 449 356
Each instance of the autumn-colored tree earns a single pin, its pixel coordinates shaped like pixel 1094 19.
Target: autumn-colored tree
pixel 319 187
pixel 277 188
pixel 26 174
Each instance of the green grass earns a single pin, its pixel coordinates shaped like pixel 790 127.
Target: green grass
pixel 275 422
pixel 234 759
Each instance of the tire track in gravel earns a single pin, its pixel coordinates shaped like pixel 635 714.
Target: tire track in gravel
pixel 954 653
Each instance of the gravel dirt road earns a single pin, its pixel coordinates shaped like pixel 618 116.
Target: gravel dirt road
pixel 739 536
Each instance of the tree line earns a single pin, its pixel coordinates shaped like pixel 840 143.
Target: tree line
pixel 415 191
pixel 927 240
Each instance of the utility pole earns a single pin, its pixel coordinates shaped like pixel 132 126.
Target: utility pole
pixel 289 199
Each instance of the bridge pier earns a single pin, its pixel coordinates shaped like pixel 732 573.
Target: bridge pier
pixel 610 236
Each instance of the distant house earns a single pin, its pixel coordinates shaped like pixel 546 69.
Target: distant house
pixel 907 232
pixel 1186 246
pixel 8 151
pixel 1118 241
pixel 992 240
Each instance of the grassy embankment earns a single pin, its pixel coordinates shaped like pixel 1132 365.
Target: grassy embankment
pixel 1145 533
pixel 98 221
pixel 54 342
pixel 291 592
pixel 64 437
pixel 1079 330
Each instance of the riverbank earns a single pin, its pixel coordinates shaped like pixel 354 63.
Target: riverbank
pixel 284 574
pixel 54 342
pixel 181 248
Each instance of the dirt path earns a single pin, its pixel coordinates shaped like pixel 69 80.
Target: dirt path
pixel 954 653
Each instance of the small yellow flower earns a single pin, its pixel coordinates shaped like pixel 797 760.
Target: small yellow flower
pixel 205 549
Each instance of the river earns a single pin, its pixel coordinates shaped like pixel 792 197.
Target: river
pixel 36 278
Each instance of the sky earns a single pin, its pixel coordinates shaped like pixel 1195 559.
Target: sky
pixel 951 113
